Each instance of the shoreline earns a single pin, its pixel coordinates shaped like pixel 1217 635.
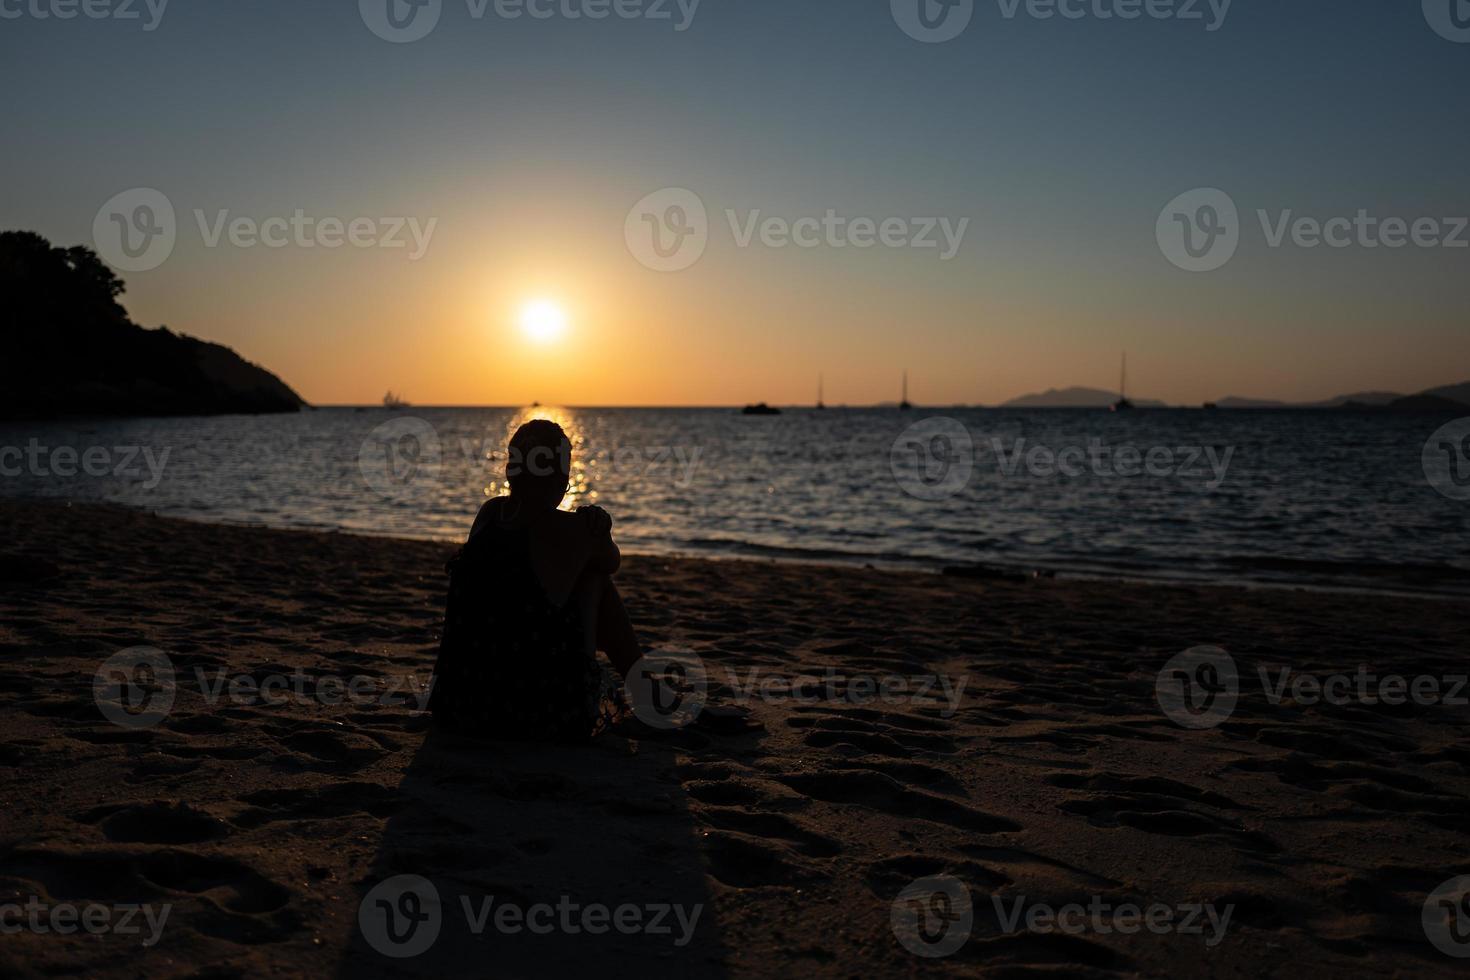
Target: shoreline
pixel 918 566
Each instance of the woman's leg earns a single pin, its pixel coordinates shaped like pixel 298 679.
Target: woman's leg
pixel 606 621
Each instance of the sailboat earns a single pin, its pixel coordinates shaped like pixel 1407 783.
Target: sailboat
pixel 820 406
pixel 1123 404
pixel 904 406
pixel 392 401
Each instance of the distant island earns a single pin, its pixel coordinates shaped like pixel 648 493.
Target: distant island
pixel 1444 398
pixel 77 352
pixel 1373 398
pixel 1448 398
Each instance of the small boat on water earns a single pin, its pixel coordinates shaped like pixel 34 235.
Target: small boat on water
pixel 392 401
pixel 1123 404
pixel 903 405
pixel 760 408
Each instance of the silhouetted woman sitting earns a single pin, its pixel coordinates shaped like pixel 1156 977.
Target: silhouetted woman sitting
pixel 530 601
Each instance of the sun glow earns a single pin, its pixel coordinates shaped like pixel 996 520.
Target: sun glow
pixel 543 321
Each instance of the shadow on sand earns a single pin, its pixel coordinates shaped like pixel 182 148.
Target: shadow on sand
pixel 567 839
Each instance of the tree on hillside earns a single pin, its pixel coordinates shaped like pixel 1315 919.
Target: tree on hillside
pixel 43 284
pixel 67 347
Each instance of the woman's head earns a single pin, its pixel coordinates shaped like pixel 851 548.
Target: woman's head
pixel 539 464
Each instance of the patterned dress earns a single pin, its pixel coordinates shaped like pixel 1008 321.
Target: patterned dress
pixel 511 664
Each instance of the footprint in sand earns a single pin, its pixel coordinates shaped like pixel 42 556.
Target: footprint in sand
pixel 743 861
pixel 157 822
pixel 771 826
pixel 331 751
pixel 877 791
pixel 319 803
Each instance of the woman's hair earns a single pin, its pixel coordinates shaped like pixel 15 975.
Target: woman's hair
pixel 539 462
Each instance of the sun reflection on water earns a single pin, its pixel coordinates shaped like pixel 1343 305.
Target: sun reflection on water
pixel 579 487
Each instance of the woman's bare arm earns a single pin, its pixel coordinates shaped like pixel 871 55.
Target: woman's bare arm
pixel 604 556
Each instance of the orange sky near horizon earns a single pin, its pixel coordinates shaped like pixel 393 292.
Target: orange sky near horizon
pixel 448 333
pixel 759 324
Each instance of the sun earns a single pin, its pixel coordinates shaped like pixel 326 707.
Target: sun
pixel 543 321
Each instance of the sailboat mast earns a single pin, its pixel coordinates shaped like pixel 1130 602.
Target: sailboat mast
pixel 1123 378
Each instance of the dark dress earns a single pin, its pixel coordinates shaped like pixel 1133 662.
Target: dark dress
pixel 511 664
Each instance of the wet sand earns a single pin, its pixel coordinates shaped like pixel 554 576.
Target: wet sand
pixel 1038 770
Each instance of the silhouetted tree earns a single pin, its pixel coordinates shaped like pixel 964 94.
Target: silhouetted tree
pixel 42 283
pixel 67 346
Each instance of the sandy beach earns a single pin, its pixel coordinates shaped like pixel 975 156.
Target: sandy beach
pixel 1006 735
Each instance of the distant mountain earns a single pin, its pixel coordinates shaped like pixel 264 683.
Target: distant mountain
pixel 1363 399
pixel 78 353
pixel 1425 403
pixel 1455 393
pixel 1367 398
pixel 1445 398
pixel 1075 398
pixel 1435 399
